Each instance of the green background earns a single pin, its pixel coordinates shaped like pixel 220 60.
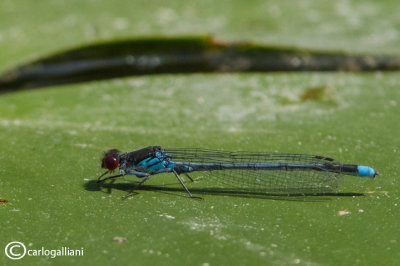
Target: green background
pixel 52 139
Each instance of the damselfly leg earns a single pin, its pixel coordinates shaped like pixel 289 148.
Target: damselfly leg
pixel 183 185
pixel 107 178
pixel 136 186
pixel 188 176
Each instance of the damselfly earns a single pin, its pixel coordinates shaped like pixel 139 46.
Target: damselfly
pixel 262 172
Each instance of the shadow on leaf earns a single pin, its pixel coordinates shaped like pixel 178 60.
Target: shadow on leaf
pixel 288 195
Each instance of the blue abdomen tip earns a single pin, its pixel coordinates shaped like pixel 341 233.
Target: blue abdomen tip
pixel 366 171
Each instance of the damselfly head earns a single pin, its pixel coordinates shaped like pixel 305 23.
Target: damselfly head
pixel 110 160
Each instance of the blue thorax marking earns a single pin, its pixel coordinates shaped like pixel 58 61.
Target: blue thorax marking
pixel 160 161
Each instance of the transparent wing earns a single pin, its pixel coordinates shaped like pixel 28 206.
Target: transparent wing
pixel 212 156
pixel 270 181
pixel 278 181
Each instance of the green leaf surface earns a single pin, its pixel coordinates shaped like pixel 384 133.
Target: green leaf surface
pixel 52 139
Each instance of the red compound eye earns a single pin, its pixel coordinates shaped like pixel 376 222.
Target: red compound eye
pixel 110 163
